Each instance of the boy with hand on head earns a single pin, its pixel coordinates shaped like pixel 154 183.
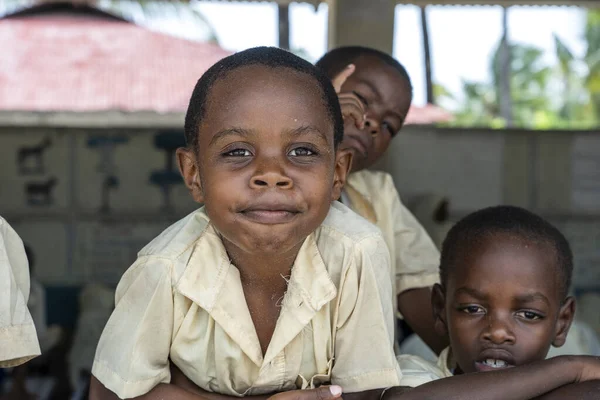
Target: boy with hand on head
pixel 269 287
pixel 383 88
pixel 18 337
pixel 503 301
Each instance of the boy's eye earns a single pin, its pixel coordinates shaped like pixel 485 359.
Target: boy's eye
pixel 301 152
pixel 238 153
pixel 529 315
pixel 473 309
pixel 389 128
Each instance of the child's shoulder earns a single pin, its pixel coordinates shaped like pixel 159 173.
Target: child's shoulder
pixel 179 237
pixel 345 235
pixel 344 224
pixel 371 181
pixel 348 242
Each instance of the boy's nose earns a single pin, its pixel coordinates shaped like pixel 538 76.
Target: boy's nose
pixel 498 331
pixel 271 177
pixel 372 126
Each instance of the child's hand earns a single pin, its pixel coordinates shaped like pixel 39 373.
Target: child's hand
pixel 340 78
pixel 350 104
pixel 320 393
pixel 352 107
pixel 589 368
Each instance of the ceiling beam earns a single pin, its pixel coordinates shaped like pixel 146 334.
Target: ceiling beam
pixel 577 3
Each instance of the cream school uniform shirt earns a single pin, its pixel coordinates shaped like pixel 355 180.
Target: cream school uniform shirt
pixel 18 339
pixel 183 300
pixel 415 258
pixel 417 371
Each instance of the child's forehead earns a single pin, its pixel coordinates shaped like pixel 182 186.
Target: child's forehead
pixel 258 98
pixel 499 246
pixel 505 259
pixel 252 80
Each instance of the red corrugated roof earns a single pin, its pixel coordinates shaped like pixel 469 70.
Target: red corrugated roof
pixel 86 64
pixel 427 114
pixel 67 63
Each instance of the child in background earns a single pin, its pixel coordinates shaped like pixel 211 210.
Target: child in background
pixel 269 287
pixel 503 300
pixel 383 86
pixel 18 339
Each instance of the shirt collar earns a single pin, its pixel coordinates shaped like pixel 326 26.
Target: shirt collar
pixel 446 362
pixel 213 283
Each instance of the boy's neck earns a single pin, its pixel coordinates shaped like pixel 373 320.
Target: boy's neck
pixel 261 268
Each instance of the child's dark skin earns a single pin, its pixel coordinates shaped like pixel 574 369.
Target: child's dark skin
pixel 386 97
pixel 503 302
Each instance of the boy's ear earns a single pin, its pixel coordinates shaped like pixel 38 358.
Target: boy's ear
pixel 563 323
pixel 186 161
pixel 438 302
pixel 343 164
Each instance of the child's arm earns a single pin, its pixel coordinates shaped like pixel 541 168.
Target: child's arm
pixel 321 393
pixel 132 356
pixel 589 390
pixel 172 392
pixel 161 392
pixel 518 383
pixel 415 307
pixel 18 338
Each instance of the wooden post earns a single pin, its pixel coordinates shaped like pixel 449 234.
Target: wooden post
pixel 363 23
pixel 427 56
pixel 505 74
pixel 284 26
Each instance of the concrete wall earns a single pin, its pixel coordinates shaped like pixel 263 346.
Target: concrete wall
pixel 52 190
pixel 556 174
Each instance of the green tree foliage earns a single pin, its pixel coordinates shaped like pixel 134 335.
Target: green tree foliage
pixel 565 96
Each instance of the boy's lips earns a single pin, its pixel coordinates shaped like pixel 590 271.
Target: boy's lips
pixel 493 360
pixel 270 213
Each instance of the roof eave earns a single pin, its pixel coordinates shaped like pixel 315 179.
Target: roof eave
pixel 97 119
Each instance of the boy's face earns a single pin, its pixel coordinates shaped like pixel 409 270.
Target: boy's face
pixel 502 305
pixel 387 97
pixel 265 168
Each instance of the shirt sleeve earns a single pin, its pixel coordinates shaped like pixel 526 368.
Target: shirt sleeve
pixel 18 338
pixel 417 260
pixel 132 356
pixel 364 351
pixel 416 371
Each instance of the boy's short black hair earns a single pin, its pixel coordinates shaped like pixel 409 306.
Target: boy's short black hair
pixel 265 56
pixel 480 225
pixel 334 61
